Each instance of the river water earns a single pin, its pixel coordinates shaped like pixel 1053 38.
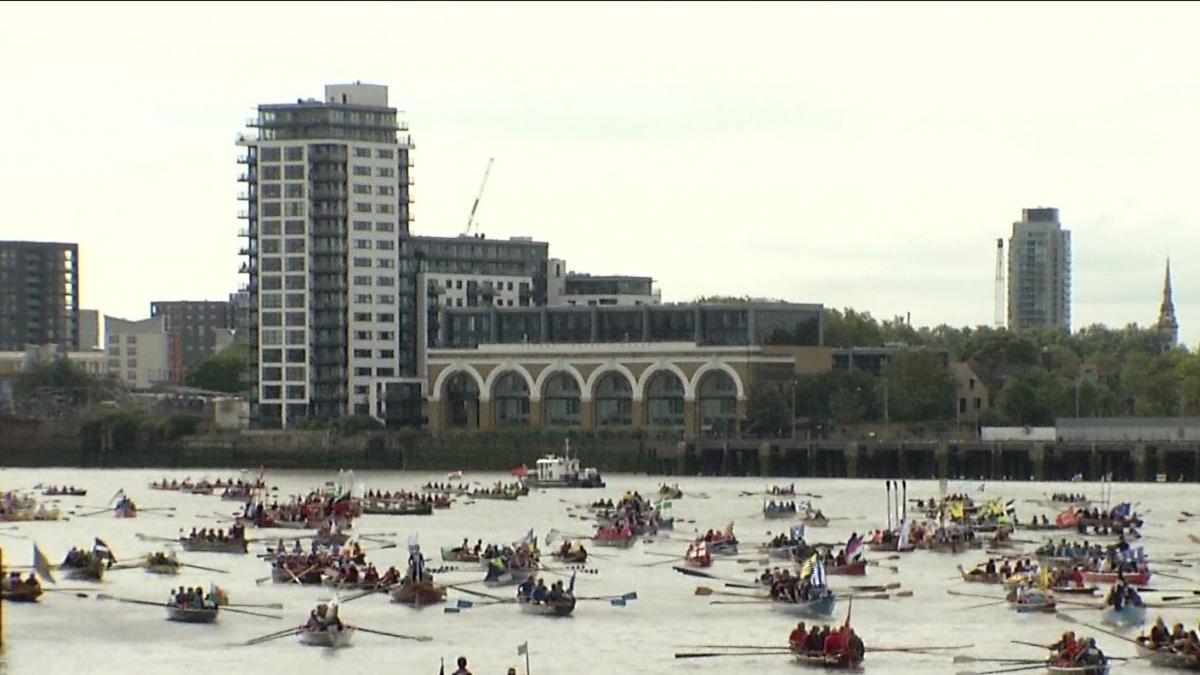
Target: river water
pixel 65 633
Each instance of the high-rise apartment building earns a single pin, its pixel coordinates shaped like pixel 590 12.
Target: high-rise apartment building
pixel 1039 271
pixel 204 326
pixel 39 295
pixel 327 205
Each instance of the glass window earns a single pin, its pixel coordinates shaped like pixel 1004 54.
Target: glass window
pixel 294 245
pixel 362 353
pixel 269 154
pixel 294 154
pixel 295 264
pixel 384 153
pixel 384 226
pixel 295 300
pixel 362 226
pixel 271 319
pixel 295 318
pixel 272 300
pixel 294 209
pixel 294 191
pixel 385 208
pixel 272 355
pixel 362 316
pixel 270 282
pixel 269 191
pixel 295 356
pixel 293 172
pixel 271 264
pixel 296 337
pixel 385 172
pixel 362 262
pixel 362 281
pixel 360 170
pixel 270 209
pixel 272 374
pixel 361 189
pixel 295 391
pixel 385 245
pixel 270 172
pixel 295 373
pixel 296 282
pixel 362 152
pixel 293 227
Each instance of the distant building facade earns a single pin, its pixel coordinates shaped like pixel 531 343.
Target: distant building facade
pixel 89 330
pixel 204 326
pixel 39 295
pixel 142 354
pixel 587 290
pixel 1039 271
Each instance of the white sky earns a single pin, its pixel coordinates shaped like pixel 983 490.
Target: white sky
pixel 863 155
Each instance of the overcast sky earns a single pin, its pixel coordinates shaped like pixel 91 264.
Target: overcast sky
pixel 861 155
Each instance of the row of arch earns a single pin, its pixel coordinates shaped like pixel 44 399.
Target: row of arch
pixel 614 392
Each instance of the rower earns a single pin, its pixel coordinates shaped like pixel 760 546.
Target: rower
pixel 797 637
pixel 462 667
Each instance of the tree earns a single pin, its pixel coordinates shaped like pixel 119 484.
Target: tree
pixel 918 386
pixel 54 388
pixel 1036 398
pixel 848 328
pixel 768 412
pixel 220 372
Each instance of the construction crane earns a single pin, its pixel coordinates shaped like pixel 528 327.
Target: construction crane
pixel 475 206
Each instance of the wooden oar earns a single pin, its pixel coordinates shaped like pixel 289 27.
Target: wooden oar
pixel 709 655
pixel 963 658
pixel 706 591
pixel 225 608
pixel 739 602
pixel 631 595
pixel 918 649
pixel 418 638
pixel 973 595
pixel 986 604
pixel 274 636
pixel 477 593
pixel 1038 665
pixel 1029 644
pixel 273 605
pixel 1070 619
pixel 206 569
pixel 778 647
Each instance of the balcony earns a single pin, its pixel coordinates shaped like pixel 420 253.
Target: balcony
pixel 245 232
pixel 251 177
pixel 246 139
pixel 243 196
pixel 248 268
pixel 246 159
pixel 250 250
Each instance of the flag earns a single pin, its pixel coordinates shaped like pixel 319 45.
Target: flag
pixel 905 528
pixel 41 565
pixel 818 575
pixel 529 539
pixel 571 586
pixel 854 549
pixel 523 648
pixel 797 532
pixel 807 567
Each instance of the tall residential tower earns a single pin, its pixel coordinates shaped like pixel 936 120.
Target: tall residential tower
pixel 39 295
pixel 327 205
pixel 1039 271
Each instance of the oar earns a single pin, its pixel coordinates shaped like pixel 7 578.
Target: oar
pixel 418 638
pixel 987 604
pixel 917 649
pixel 739 602
pixel 764 647
pixel 1029 644
pixel 709 655
pixel 273 605
pixel 206 569
pixel 973 595
pixel 477 593
pixel 274 636
pixel 225 608
pixel 706 591
pixel 963 658
pixel 1038 665
pixel 1067 617
pixel 632 595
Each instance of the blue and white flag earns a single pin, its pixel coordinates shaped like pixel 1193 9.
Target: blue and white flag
pixel 571 586
pixel 797 532
pixel 818 575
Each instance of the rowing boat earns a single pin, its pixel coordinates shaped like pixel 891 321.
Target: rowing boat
pixel 815 609
pixel 854 569
pixel 778 514
pixel 53 492
pixel 453 554
pixel 575 555
pixel 1134 579
pixel 1078 670
pixel 561 607
pixel 843 661
pixel 1128 615
pixel 93 570
pixel 1046 606
pixel 331 638
pixel 126 511
pixel 23 593
pixel 419 594
pixel 308 576
pixel 977 577
pixel 192 614
pixel 214 546
pixel 397 508
pixel 1165 658
pixel 614 541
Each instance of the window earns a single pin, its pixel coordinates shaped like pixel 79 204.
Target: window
pixel 293 245
pixel 384 226
pixel 384 153
pixel 295 264
pixel 362 316
pixel 270 283
pixel 270 228
pixel 271 392
pixel 295 300
pixel 295 356
pixel 295 373
pixel 362 171
pixel 294 191
pixel 293 227
pixel 387 353
pixel 362 335
pixel 385 172
pixel 362 152
pixel 385 263
pixel 272 355
pixel 270 209
pixel 295 337
pixel 269 154
pixel 296 282
pixel 294 209
pixel 295 318
pixel 385 335
pixel 270 172
pixel 362 281
pixel 385 245
pixel 271 319
pixel 386 299
pixel 271 264
pixel 272 374
pixel 362 207
pixel 362 262
pixel 385 281
pixel 362 353
pixel 293 172
pixel 385 208
pixel 510 286
pixel 269 191
pixel 362 298
pixel 294 154
pixel 295 391
pixel 131 351
pixel 458 284
pixel 362 372
pixel 361 388
pixel 362 244
pixel 272 300
pixel 272 337
pixel 385 372
pixel 385 190
pixel 362 189
pixel 269 246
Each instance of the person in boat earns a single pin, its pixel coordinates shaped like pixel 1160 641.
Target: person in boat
pixel 556 592
pixel 525 590
pixel 540 592
pixel 798 637
pixel 462 667
pixel 815 641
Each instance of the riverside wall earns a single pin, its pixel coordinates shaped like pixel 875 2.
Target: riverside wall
pixel 500 450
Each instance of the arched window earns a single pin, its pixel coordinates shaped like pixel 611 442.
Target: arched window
pixel 561 394
pixel 510 401
pixel 462 401
pixel 614 400
pixel 717 397
pixel 664 401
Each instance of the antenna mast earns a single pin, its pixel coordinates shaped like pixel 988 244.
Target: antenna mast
pixel 999 308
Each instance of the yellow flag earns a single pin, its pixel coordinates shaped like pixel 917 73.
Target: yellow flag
pixel 1044 579
pixel 807 567
pixel 956 511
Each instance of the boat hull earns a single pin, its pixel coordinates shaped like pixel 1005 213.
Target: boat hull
pixel 813 609
pixel 450 554
pixel 332 639
pixel 192 615
pixel 1139 579
pixel 205 546
pixel 829 661
pixel 1129 615
pixel 419 595
pixel 562 607
pixel 854 569
pixel 23 594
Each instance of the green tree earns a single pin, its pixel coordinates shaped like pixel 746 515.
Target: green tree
pixel 848 328
pixel 220 372
pixel 55 388
pixel 1036 398
pixel 918 387
pixel 768 412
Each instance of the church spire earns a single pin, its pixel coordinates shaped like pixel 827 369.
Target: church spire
pixel 1167 324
